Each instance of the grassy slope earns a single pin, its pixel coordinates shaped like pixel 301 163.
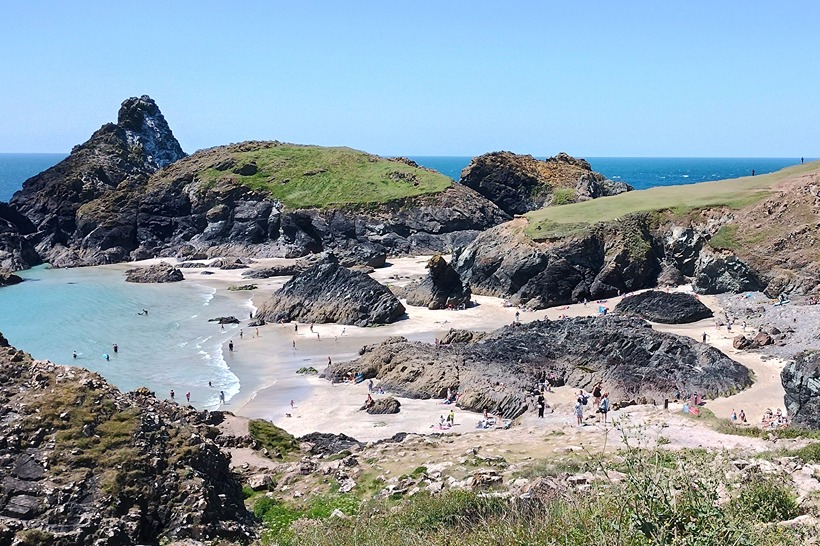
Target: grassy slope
pixel 306 176
pixel 734 193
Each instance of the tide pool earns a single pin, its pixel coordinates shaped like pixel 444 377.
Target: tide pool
pixel 58 311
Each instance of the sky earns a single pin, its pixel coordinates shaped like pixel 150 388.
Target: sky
pixel 595 78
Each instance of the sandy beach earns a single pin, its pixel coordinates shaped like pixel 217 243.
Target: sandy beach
pixel 266 362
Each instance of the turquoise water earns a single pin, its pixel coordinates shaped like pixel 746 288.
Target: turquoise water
pixel 646 172
pixel 17 168
pixel 58 311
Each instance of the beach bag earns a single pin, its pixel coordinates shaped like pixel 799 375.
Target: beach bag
pixel 584 400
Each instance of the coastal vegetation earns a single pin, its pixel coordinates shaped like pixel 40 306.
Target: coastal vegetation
pixel 735 193
pixel 315 176
pixel 639 496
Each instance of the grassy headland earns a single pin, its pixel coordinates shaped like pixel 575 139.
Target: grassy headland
pixel 315 176
pixel 735 193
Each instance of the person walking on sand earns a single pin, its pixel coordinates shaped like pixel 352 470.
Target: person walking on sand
pixel 291 405
pixel 257 332
pixel 451 418
pixel 579 413
pixel 294 344
pixel 296 327
pixel 230 345
pixel 221 397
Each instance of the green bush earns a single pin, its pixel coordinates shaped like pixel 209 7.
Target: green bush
pixel 563 196
pixel 767 500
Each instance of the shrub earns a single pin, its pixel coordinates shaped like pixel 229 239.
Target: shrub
pixel 767 500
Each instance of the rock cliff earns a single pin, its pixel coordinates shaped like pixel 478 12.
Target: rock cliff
pixel 801 381
pixel 595 264
pixel 117 159
pixel 521 183
pixel 16 252
pixel 633 361
pixel 328 292
pixel 83 463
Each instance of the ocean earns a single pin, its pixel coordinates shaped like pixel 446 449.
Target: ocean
pixel 59 311
pixel 646 172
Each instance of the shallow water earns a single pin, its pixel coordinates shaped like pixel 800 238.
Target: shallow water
pixel 58 311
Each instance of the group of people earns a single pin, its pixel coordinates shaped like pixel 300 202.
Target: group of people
pixel 600 403
pixel 774 420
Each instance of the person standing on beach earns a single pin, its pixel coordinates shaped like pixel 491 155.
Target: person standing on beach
pixel 294 344
pixel 230 345
pixel 579 413
pixel 704 336
pixel 541 403
pixel 221 397
pixel 188 396
pixel 295 327
pixel 241 333
pixel 603 408
pixel 172 394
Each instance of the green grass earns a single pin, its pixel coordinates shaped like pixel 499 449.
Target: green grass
pixel 277 441
pixel 735 193
pixel 314 176
pixel 725 238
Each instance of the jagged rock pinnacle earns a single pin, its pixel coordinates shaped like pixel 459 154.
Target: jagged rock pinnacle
pixel 145 126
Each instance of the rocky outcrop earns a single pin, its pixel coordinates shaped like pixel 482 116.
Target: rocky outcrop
pixel 595 264
pixel 521 183
pixel 801 381
pixel 158 273
pixel 7 279
pixel 64 203
pixel 16 252
pixel 83 463
pixel 718 273
pixel 440 289
pixel 664 307
pixel 384 405
pixel 631 359
pixel 328 292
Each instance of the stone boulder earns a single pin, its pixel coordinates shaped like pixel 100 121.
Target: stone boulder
pixel 631 359
pixel 667 308
pixel 159 273
pixel 743 343
pixel 325 443
pixel 7 278
pixel 801 381
pixel 440 289
pixel 328 292
pixel 384 405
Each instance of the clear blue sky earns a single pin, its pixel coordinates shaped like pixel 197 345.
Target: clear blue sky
pixel 594 78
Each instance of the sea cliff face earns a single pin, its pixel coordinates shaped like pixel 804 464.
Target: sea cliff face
pixel 83 463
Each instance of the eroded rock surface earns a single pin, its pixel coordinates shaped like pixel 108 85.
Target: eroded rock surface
pixel 328 292
pixel 83 463
pixel 159 273
pixel 440 289
pixel 633 361
pixel 801 381
pixel 664 307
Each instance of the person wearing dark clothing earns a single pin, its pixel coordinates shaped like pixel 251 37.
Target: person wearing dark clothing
pixel 541 403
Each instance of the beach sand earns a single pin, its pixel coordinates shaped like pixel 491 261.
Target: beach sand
pixel 266 365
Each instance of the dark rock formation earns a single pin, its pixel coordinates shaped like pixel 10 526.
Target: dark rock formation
pixel 83 463
pixel 521 183
pixel 385 405
pixel 225 320
pixel 718 273
pixel 668 308
pixel 632 360
pixel 440 289
pixel 801 381
pixel 325 443
pixel 461 336
pixel 7 279
pixel 154 274
pixel 596 264
pixel 275 271
pixel 84 208
pixel 328 292
pixel 16 252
